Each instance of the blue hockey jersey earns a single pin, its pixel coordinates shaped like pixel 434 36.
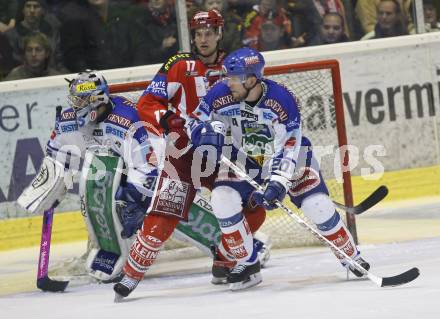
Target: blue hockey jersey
pixel 121 134
pixel 269 131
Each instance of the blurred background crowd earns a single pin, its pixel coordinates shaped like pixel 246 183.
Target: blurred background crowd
pixel 49 37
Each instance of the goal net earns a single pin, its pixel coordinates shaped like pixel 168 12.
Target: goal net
pixel 317 86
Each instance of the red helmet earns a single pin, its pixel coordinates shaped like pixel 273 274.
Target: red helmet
pixel 211 18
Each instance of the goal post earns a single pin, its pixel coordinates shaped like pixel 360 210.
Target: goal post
pixel 317 86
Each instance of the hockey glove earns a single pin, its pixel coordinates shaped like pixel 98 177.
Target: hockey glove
pixel 171 122
pixel 174 127
pixel 211 134
pixel 274 192
pixel 131 207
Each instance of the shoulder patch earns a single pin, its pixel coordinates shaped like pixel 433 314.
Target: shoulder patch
pixel 123 100
pixel 68 116
pixel 174 59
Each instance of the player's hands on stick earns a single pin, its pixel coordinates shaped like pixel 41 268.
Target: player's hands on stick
pixel 274 192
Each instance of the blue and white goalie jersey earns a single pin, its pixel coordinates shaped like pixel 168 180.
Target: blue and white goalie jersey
pixel 269 131
pixel 121 133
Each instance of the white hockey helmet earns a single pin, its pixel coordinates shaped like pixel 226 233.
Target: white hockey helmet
pixel 87 91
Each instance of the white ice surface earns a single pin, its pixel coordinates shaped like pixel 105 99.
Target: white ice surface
pixel 297 284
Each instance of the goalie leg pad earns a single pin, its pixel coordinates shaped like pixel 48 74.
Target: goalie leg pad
pixel 237 236
pixel 144 250
pixel 47 188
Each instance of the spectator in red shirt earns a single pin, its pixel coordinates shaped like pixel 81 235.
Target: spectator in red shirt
pixel 265 10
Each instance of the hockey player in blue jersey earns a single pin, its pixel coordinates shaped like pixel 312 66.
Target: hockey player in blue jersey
pixel 256 123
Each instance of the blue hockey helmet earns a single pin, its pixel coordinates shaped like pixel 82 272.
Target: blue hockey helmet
pixel 244 62
pixel 87 91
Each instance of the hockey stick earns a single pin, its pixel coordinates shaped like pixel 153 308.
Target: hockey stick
pixel 375 197
pixel 43 281
pixel 397 280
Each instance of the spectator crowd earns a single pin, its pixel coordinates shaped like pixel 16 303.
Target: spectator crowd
pixel 43 37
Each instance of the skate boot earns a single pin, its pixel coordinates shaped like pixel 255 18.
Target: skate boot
pixel 220 269
pixel 361 262
pixel 124 287
pixel 245 275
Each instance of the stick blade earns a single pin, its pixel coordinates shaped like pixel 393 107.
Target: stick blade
pixel 47 284
pixel 401 279
pixel 380 193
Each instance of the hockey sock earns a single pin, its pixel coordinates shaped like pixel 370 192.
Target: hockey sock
pixel 321 210
pixel 255 217
pixel 336 231
pixel 237 237
pixel 144 250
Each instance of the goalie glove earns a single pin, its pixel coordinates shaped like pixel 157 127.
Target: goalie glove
pixel 47 189
pixel 131 207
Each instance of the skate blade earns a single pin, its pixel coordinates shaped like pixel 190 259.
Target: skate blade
pixel 118 298
pixel 219 281
pixel 253 280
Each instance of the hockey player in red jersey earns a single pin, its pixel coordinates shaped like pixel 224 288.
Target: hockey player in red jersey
pixel 172 96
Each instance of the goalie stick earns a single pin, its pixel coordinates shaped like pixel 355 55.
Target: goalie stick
pixel 397 280
pixel 375 197
pixel 43 281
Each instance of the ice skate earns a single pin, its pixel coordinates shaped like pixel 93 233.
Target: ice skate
pixel 244 276
pixel 220 269
pixel 124 287
pixel 361 262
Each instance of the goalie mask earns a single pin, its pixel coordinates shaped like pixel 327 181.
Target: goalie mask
pixel 87 91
